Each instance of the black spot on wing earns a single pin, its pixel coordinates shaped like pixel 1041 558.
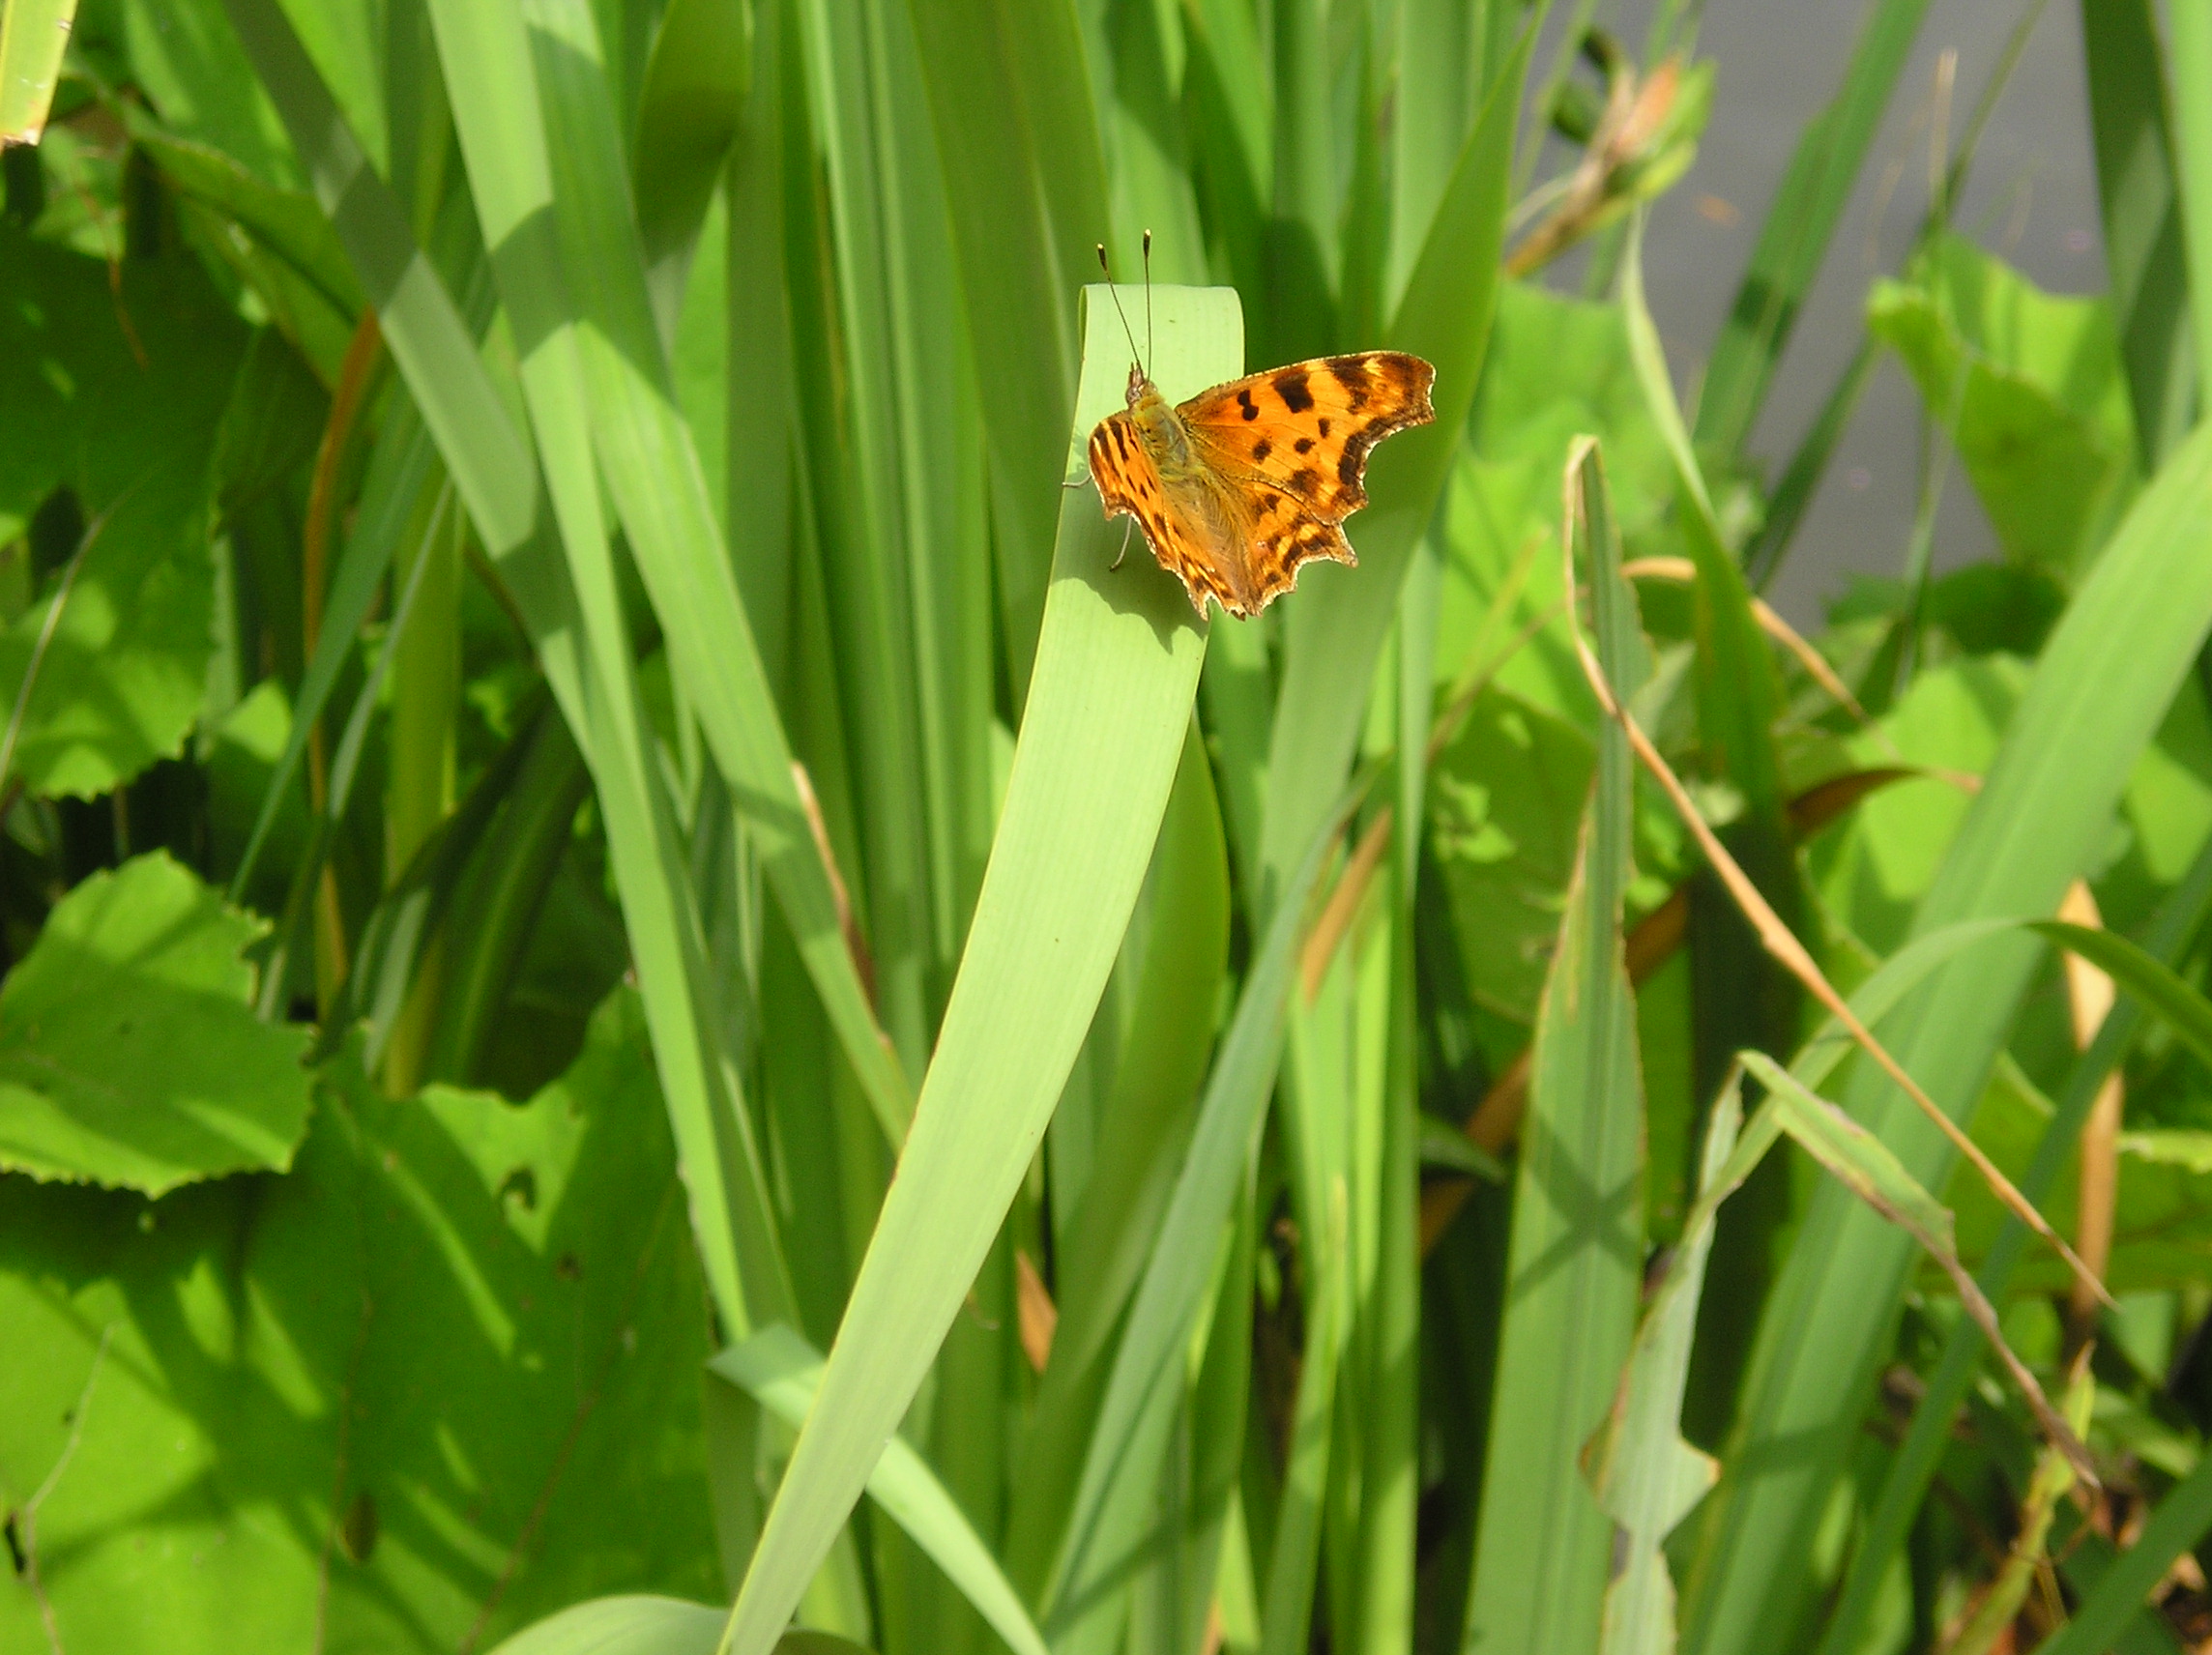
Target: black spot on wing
pixel 1291 385
pixel 1354 462
pixel 1320 426
pixel 1304 445
pixel 1304 481
pixel 1261 450
pixel 1351 374
pixel 1245 402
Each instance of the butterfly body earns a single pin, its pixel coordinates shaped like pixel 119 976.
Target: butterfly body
pixel 1239 485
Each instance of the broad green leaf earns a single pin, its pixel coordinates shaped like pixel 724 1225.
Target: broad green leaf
pixel 783 1373
pixel 1871 871
pixel 129 1053
pixel 114 394
pixel 1116 668
pixel 1506 799
pixel 2100 689
pixel 439 1381
pixel 2028 386
pixel 1543 1544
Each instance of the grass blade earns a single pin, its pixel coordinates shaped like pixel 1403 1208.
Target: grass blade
pixel 620 1626
pixel 1116 668
pixel 659 491
pixel 1122 1458
pixel 1543 1543
pixel 2104 680
pixel 689 116
pixel 2191 48
pixel 1154 1105
pixel 2149 276
pixel 33 35
pixel 1739 994
pixel 783 1373
pixel 1793 243
pixel 1644 1475
pixel 1334 638
pixel 1025 185
pixel 2179 921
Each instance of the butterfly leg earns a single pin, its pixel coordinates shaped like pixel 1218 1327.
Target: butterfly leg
pixel 1124 551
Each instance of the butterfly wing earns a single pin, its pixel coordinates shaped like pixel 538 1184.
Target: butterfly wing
pixel 1185 530
pixel 1296 440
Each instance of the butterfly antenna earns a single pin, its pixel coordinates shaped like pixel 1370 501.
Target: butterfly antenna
pixel 1114 295
pixel 1147 296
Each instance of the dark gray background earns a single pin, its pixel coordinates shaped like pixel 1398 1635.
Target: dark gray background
pixel 2031 198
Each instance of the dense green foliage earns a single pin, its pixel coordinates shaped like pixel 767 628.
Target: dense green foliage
pixel 562 725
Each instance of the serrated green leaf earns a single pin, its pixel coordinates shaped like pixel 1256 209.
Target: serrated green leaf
pixel 116 395
pixel 439 1381
pixel 2029 385
pixel 129 1053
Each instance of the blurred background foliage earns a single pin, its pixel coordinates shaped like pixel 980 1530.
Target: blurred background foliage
pixel 560 727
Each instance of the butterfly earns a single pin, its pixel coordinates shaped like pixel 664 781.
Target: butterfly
pixel 1239 485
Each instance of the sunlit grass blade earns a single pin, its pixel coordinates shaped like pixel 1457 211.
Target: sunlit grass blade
pixel 620 1626
pixel 1739 994
pixel 1024 182
pixel 783 1372
pixel 688 115
pixel 33 35
pixel 2190 56
pixel 1542 1543
pixel 1793 241
pixel 899 455
pixel 1128 1433
pixel 1336 627
pixel 1152 1105
pixel 1286 1606
pixel 574 163
pixel 1116 667
pixel 2104 680
pixel 588 667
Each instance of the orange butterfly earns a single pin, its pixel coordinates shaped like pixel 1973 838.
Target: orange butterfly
pixel 1243 484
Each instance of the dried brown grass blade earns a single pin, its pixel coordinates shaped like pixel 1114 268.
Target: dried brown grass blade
pixel 1781 942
